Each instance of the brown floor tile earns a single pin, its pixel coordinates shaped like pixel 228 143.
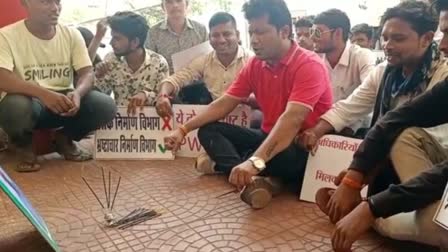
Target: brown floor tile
pixel 193 218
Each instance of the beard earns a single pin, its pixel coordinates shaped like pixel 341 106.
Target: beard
pixel 123 53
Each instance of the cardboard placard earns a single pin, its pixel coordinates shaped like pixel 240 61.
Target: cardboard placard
pixel 441 216
pixel 21 202
pixel 333 155
pixel 191 147
pixel 138 137
pixel 183 58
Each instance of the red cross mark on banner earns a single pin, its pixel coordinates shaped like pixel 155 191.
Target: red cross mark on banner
pixel 167 123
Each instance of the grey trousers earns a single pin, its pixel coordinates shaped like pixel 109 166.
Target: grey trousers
pixel 20 115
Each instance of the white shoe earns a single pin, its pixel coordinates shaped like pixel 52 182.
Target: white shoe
pixel 204 164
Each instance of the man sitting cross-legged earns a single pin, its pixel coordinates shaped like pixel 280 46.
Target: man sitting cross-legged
pixel 414 66
pixel 37 58
pixel 410 206
pixel 292 87
pixel 132 73
pixel 421 169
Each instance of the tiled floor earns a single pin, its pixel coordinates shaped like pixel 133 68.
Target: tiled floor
pixel 193 218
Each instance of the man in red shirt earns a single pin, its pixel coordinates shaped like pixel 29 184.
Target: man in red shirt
pixel 291 86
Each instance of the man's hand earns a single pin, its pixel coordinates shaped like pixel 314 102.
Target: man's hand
pixel 76 100
pixel 138 100
pixel 163 107
pixel 101 69
pixel 173 140
pixel 309 141
pixel 351 227
pixel 342 202
pixel 56 102
pixel 101 28
pixel 242 174
pixel 339 178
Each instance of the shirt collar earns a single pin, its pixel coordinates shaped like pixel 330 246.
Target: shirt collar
pixel 239 54
pixel 164 25
pixel 286 60
pixel 344 60
pixel 146 62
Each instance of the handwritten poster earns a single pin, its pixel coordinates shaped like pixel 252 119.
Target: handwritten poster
pixel 131 137
pixel 333 155
pixel 183 58
pixel 441 216
pixel 191 147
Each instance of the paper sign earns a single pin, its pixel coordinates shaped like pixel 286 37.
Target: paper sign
pixel 441 216
pixel 129 137
pixel 183 58
pixel 333 155
pixel 21 202
pixel 191 147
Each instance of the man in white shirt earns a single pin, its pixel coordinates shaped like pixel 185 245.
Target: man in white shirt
pixel 347 64
pixel 37 58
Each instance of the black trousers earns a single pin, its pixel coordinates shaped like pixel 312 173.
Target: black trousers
pixel 229 145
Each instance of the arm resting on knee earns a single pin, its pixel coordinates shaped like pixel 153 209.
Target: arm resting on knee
pixel 11 83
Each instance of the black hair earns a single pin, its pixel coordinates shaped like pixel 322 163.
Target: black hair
pixel 305 22
pixel 440 5
pixel 364 29
pixel 130 24
pixel 334 19
pixel 221 18
pixel 418 14
pixel 277 11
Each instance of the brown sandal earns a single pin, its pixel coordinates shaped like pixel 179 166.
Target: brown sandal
pixel 28 162
pixel 27 167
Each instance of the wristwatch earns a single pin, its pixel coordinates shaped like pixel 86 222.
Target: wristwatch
pixel 258 163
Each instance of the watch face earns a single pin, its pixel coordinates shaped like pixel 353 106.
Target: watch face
pixel 259 164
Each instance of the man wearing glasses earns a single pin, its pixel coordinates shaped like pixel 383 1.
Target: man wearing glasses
pixel 347 64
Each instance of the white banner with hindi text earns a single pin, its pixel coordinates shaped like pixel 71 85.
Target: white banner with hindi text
pixel 191 147
pixel 441 216
pixel 333 155
pixel 138 137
